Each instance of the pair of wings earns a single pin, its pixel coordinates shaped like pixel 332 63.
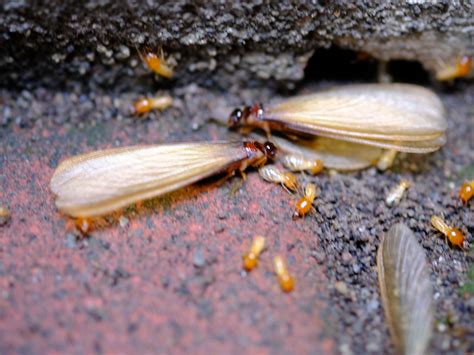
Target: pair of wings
pixel 103 181
pixel 404 117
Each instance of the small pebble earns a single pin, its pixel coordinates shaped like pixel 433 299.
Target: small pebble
pixel 346 257
pixel 123 221
pixel 199 259
pixel 341 287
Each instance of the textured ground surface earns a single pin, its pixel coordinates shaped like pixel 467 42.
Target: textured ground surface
pixel 167 277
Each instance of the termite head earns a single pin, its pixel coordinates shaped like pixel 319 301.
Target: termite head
pixel 269 149
pixel 247 115
pixel 259 153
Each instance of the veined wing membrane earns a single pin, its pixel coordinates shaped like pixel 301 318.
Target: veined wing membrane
pixel 374 111
pixel 102 181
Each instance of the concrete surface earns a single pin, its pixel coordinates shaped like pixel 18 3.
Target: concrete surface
pixel 219 44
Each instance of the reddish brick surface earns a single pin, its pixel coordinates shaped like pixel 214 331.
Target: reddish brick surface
pixel 169 280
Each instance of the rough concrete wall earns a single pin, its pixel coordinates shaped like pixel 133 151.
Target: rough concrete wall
pixel 219 42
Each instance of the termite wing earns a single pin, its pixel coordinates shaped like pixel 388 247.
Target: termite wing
pixel 100 182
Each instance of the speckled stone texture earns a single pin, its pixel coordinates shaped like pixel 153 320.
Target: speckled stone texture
pixel 220 43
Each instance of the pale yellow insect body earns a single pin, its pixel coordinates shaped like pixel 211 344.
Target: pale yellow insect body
pixel 272 174
pixel 395 195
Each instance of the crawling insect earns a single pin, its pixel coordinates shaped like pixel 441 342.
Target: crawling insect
pixel 300 163
pixel 4 215
pixel 403 117
pixel 454 235
pixel 459 69
pixel 146 104
pixel 157 64
pixel 286 281
pixel 271 173
pixel 103 181
pixel 467 191
pixel 84 225
pixel 250 259
pixel 304 204
pixel 396 194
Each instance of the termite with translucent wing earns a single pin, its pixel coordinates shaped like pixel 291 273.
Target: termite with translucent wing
pixel 103 181
pixel 403 117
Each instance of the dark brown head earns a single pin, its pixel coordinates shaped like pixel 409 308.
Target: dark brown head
pixel 260 151
pixel 245 116
pixel 235 118
pixel 269 149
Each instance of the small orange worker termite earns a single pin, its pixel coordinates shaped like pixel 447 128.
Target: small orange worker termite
pixel 452 234
pixel 146 104
pixel 83 225
pixel 467 191
pixel 304 204
pixel 250 259
pixel 300 163
pixel 156 63
pixel 461 69
pixel 4 215
pixel 396 194
pixel 271 173
pixel 285 280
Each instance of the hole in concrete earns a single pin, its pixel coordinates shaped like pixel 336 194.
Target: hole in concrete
pixel 408 72
pixel 336 64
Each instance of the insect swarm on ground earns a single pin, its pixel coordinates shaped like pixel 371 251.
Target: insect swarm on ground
pixel 395 194
pixel 461 68
pixel 271 173
pixel 4 215
pixel 305 203
pixel 467 191
pixel 286 281
pixel 300 163
pixel 403 117
pixel 100 182
pixel 250 259
pixel 454 235
pixel 146 104
pixel 158 64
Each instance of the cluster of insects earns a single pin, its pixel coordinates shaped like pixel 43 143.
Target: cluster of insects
pixel 251 258
pixel 344 128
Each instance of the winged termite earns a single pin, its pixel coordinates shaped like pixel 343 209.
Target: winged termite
pixel 403 117
pixel 99 182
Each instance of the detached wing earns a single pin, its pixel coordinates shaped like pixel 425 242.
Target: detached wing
pixel 102 181
pixel 400 116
